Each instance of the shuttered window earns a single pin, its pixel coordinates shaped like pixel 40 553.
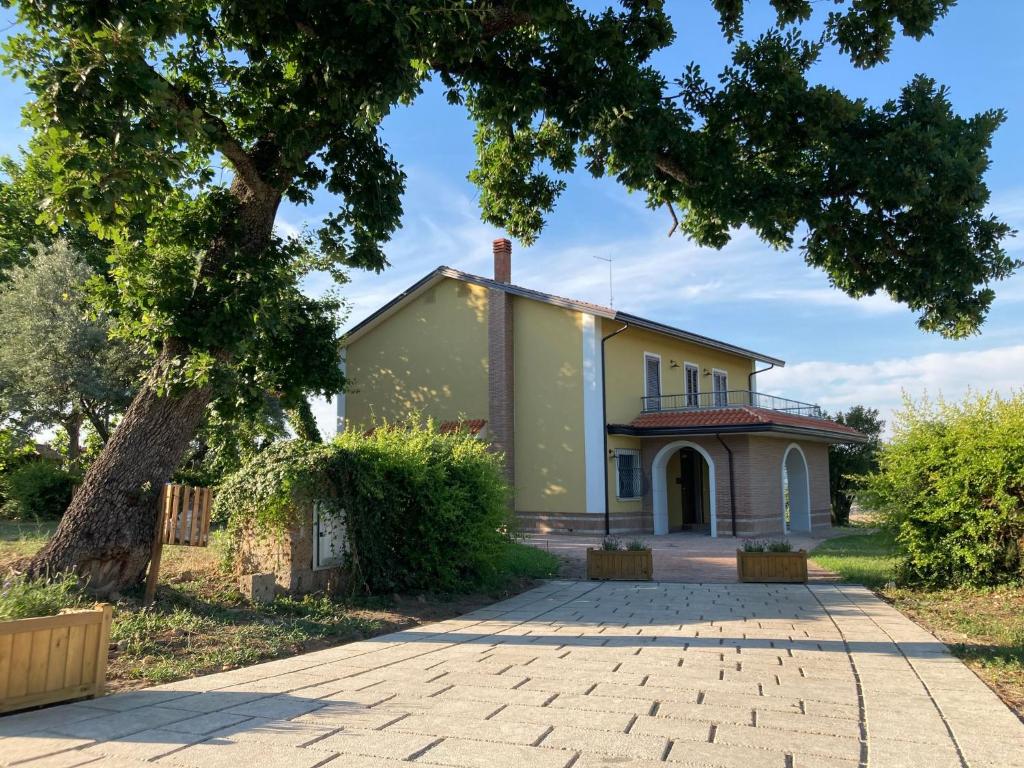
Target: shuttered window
pixel 652 383
pixel 628 474
pixel 692 386
pixel 720 386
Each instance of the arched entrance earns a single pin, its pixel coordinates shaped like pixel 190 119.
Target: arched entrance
pixel 796 491
pixel 659 485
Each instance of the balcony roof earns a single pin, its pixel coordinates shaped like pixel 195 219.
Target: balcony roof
pixel 735 419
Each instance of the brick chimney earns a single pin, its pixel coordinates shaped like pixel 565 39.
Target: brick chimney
pixel 500 360
pixel 503 260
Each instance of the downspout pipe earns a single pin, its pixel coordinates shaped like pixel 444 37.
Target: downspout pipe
pixel 750 380
pixel 604 430
pixel 732 484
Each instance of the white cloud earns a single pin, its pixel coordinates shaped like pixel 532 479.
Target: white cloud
pixel 285 228
pixel 881 383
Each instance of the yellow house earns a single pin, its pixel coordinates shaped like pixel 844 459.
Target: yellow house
pixel 609 422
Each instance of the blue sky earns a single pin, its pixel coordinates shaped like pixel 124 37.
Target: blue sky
pixel 838 351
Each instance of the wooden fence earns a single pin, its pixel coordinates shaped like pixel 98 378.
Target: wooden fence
pixel 186 515
pixel 183 519
pixel 53 658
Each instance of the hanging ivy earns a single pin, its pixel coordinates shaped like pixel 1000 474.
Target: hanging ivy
pixel 422 509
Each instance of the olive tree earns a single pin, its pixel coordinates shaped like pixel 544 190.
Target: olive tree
pixel 57 365
pixel 138 105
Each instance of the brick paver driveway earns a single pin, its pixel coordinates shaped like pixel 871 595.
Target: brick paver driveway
pixel 572 674
pixel 686 557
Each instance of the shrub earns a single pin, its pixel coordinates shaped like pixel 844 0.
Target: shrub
pixel 24 598
pixel 636 545
pixel 422 510
pixel 38 489
pixel 611 544
pixel 950 487
pixel 767 545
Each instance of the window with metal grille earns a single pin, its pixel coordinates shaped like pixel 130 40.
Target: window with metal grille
pixel 692 385
pixel 629 477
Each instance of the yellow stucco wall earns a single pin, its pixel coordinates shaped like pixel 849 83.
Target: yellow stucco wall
pixel 549 446
pixel 624 363
pixel 430 356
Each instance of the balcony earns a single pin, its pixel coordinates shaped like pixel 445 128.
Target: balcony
pixel 734 397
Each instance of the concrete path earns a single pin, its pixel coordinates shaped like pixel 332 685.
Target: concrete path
pixel 693 558
pixel 571 674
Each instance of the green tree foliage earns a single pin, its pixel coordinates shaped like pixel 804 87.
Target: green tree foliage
pixel 422 510
pixel 57 364
pixel 950 485
pixel 37 489
pixel 224 445
pixel 848 461
pixel 26 186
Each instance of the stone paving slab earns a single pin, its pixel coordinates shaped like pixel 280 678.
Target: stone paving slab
pixel 571 675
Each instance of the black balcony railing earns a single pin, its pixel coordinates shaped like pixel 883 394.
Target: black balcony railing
pixel 731 397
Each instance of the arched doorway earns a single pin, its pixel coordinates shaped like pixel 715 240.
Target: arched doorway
pixel 660 481
pixel 796 491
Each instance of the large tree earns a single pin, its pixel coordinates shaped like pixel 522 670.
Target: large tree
pixel 849 462
pixel 58 365
pixel 137 104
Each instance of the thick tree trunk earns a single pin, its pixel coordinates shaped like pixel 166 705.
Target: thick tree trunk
pixel 110 549
pixel 106 534
pixel 73 426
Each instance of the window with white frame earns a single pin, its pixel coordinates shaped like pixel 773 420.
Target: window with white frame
pixel 652 382
pixel 692 373
pixel 720 386
pixel 629 475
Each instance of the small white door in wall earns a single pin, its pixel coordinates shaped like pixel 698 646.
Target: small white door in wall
pixel 330 537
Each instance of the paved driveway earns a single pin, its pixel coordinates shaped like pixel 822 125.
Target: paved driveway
pixel 694 558
pixel 572 674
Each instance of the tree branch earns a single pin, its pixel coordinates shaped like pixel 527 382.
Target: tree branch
pixel 98 423
pixel 228 145
pixel 670 167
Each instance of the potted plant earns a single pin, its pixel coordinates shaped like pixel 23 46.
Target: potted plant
pixel 613 560
pixel 49 653
pixel 771 560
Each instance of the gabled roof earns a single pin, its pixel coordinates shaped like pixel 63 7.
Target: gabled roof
pixel 442 273
pixel 742 418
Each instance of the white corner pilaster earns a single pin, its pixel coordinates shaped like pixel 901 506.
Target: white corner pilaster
pixel 593 416
pixel 341 396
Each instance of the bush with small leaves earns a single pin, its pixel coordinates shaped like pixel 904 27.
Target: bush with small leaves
pixel 37 489
pixel 422 510
pixel 950 486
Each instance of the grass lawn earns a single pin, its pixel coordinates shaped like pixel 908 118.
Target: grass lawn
pixel 984 627
pixel 200 623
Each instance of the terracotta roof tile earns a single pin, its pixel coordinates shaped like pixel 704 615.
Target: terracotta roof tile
pixel 473 426
pixel 737 416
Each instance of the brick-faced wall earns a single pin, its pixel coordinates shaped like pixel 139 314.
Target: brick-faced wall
pixel 757 464
pixel 500 361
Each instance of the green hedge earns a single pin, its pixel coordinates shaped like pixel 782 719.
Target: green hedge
pixel 423 510
pixel 950 486
pixel 38 488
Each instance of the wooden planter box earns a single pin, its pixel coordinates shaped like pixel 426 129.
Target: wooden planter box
pixel 789 567
pixel 53 658
pixel 624 565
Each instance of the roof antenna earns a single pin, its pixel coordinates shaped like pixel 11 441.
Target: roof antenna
pixel 611 293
